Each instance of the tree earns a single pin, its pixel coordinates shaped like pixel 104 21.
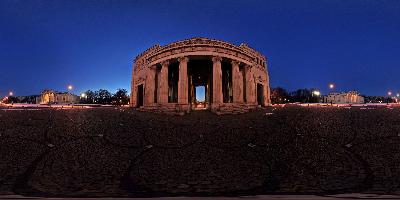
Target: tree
pixel 120 97
pixel 29 99
pixel 89 97
pixel 379 99
pixel 305 96
pixel 279 95
pixel 301 95
pixel 11 100
pixel 102 97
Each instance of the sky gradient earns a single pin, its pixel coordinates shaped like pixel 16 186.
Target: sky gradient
pixel 91 44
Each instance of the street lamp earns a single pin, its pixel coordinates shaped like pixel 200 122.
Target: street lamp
pixel 390 95
pixel 10 93
pixel 397 97
pixel 331 86
pixel 316 92
pixel 70 87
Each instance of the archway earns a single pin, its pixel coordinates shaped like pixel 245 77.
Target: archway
pixel 200 82
pixel 173 77
pixel 260 94
pixel 200 97
pixel 140 91
pixel 227 93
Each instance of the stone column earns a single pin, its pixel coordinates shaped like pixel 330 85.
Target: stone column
pixel 163 83
pixel 150 86
pixel 236 83
pixel 183 81
pixel 217 80
pixel 132 101
pixel 267 95
pixel 250 86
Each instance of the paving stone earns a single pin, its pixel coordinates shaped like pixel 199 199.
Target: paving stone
pixel 107 152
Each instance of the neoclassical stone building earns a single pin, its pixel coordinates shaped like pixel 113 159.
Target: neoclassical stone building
pixel 233 77
pixel 53 97
pixel 344 97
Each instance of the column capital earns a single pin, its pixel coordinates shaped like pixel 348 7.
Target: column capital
pixel 216 59
pixel 183 59
pixel 235 62
pixel 165 63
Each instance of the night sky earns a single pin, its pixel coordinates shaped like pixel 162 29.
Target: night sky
pixel 91 44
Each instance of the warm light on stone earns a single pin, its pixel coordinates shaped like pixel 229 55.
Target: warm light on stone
pixel 344 97
pixel 234 77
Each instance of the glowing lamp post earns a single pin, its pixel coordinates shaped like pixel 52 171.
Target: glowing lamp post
pixel 83 98
pixel 10 99
pixel 316 93
pixel 397 97
pixel 69 87
pixel 390 95
pixel 331 86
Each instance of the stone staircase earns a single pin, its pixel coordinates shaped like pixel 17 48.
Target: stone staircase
pixel 172 109
pixel 233 108
pixel 221 109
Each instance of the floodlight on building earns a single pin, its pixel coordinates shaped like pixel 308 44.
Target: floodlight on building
pixel 83 95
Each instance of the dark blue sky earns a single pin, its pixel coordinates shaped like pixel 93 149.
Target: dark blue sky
pixel 91 44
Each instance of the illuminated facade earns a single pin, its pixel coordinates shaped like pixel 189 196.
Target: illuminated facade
pixel 53 97
pixel 166 77
pixel 344 97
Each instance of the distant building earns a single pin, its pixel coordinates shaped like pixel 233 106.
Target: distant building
pixel 53 97
pixel 344 97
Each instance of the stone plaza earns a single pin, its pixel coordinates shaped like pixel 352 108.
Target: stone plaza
pixel 121 152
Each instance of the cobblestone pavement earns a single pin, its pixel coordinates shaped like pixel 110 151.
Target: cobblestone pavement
pixel 351 196
pixel 121 152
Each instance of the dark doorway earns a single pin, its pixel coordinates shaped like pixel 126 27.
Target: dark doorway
pixel 227 82
pixel 140 93
pixel 158 71
pixel 260 94
pixel 173 77
pixel 200 82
